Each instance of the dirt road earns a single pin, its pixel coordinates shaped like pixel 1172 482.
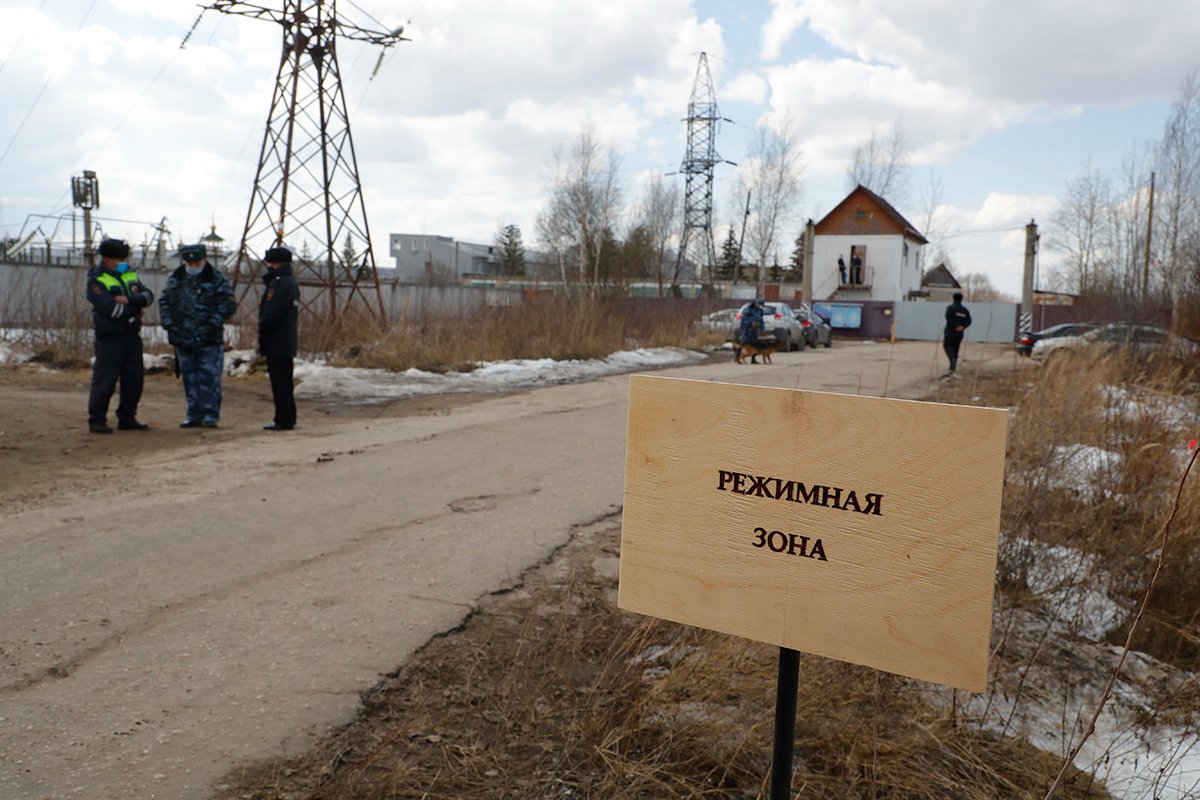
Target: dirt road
pixel 175 603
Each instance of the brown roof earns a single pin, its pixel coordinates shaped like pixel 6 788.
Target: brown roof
pixel 860 191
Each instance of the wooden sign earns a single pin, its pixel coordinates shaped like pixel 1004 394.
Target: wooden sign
pixel 859 528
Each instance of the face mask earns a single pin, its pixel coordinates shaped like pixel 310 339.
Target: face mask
pixel 122 267
pixel 194 271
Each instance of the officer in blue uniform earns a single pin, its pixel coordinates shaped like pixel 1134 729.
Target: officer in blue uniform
pixel 194 308
pixel 118 301
pixel 752 325
pixel 278 317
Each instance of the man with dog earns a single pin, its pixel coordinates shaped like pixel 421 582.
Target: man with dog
pixel 752 325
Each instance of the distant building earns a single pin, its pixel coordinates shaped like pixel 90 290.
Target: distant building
pixel 427 259
pixel 866 232
pixel 939 284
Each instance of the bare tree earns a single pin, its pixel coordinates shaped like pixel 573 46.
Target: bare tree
pixel 882 166
pixel 661 219
pixel 977 287
pixel 772 176
pixel 1079 228
pixel 585 194
pixel 1179 200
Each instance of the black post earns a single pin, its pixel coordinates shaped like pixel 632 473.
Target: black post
pixel 785 724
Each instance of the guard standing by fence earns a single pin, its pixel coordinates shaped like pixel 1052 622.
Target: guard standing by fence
pixel 193 309
pixel 278 319
pixel 118 301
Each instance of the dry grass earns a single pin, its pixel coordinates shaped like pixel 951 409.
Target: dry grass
pixel 551 692
pixel 555 327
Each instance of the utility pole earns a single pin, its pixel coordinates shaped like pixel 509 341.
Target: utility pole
pixel 307 183
pixel 85 194
pixel 1031 239
pixel 1149 230
pixel 737 268
pixel 806 282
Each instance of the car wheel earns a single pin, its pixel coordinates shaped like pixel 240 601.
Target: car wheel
pixel 787 343
pixel 829 341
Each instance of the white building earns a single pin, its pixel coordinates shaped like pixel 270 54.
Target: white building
pixel 883 253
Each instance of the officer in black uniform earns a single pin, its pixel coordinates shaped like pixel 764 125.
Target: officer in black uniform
pixel 278 312
pixel 958 319
pixel 118 300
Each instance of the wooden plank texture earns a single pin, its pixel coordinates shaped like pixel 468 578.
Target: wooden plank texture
pixel 859 528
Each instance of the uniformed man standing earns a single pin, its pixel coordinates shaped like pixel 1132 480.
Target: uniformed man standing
pixel 118 300
pixel 958 319
pixel 193 309
pixel 278 313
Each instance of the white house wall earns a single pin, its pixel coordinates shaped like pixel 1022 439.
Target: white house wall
pixel 890 275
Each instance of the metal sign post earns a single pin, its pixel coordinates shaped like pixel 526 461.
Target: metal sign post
pixel 783 754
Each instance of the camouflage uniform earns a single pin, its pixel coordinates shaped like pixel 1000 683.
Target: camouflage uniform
pixel 193 310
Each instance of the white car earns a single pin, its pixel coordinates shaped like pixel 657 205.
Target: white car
pixel 1132 339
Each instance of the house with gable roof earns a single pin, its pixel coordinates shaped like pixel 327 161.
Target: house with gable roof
pixel 883 252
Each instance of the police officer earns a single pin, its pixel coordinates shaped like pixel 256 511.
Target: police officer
pixel 752 324
pixel 118 300
pixel 278 312
pixel 193 309
pixel 958 319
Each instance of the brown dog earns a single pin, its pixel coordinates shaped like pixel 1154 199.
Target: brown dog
pixel 764 348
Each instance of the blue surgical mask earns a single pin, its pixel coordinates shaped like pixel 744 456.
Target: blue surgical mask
pixel 194 271
pixel 123 267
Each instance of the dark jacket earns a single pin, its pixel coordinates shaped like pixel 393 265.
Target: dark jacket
pixel 193 310
pixel 110 318
pixel 278 312
pixel 752 324
pixel 958 319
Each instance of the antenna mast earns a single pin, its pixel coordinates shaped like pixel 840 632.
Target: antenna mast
pixel 307 188
pixel 698 163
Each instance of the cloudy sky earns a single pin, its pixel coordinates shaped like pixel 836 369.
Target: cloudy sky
pixel 998 102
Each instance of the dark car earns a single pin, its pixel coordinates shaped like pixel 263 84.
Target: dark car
pixel 1026 341
pixel 817 329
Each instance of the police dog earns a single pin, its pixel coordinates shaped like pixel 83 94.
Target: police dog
pixel 763 347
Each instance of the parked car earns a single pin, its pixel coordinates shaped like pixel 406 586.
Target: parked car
pixel 1026 341
pixel 1135 340
pixel 817 329
pixel 722 320
pixel 779 321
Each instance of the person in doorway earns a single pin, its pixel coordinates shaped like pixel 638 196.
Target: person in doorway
pixel 193 309
pixel 856 265
pixel 841 271
pixel 752 325
pixel 278 315
pixel 118 300
pixel 958 319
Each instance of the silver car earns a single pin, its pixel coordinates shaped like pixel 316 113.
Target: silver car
pixel 793 328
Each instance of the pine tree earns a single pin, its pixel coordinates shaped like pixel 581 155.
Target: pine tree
pixel 727 262
pixel 512 251
pixel 797 262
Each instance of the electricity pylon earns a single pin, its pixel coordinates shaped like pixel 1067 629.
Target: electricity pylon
pixel 307 184
pixel 698 163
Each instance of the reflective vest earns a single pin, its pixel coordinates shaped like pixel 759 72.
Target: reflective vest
pixel 120 281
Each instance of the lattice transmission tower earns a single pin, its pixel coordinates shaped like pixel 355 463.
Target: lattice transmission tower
pixel 696 243
pixel 307 188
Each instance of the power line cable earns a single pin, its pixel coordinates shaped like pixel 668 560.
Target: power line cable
pixel 17 43
pixel 41 91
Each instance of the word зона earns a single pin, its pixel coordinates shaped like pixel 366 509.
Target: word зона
pixel 796 492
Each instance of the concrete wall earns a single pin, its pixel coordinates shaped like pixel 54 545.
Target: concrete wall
pixel 990 322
